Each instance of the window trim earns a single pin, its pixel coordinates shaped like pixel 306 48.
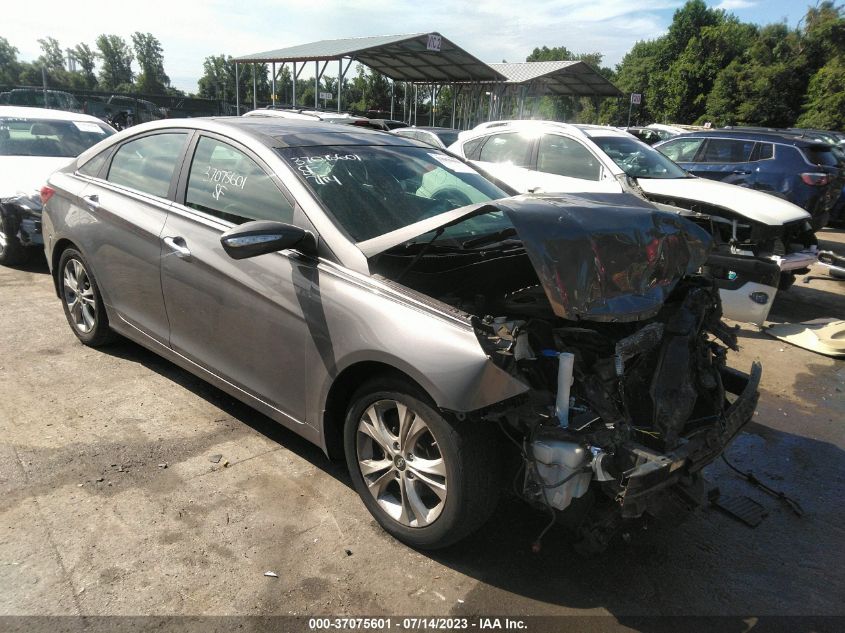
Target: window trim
pixel 180 161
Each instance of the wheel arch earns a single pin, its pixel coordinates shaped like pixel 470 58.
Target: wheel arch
pixel 340 394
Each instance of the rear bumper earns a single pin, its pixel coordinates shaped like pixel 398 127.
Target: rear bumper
pixel 657 472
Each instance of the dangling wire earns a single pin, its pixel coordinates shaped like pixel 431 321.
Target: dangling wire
pixel 793 505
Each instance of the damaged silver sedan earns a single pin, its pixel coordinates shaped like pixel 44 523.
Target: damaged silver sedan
pixel 397 307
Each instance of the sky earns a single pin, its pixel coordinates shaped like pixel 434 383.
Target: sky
pixel 491 30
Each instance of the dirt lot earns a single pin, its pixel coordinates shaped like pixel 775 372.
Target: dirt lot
pixel 112 505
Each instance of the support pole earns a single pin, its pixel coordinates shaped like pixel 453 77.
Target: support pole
pixel 392 91
pixel 273 86
pixel 316 85
pixel 254 89
pixel 237 90
pixel 294 76
pixel 454 101
pixel 339 82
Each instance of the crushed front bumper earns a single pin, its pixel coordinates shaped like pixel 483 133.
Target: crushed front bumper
pixel 656 472
pixel 22 220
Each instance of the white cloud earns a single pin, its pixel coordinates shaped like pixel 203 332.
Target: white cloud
pixel 491 30
pixel 732 5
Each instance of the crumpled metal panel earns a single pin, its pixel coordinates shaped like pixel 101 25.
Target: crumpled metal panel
pixel 606 257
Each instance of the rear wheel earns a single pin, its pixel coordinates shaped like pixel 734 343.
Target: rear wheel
pixel 12 252
pixel 81 300
pixel 428 482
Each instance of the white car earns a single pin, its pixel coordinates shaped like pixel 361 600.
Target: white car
pixel 762 241
pixel 35 142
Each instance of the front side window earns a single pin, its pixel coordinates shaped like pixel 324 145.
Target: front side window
pixel 682 150
pixel 638 160
pixel 226 183
pixel 147 164
pixel 21 136
pixel 371 190
pixel 511 148
pixel 564 156
pixel 725 150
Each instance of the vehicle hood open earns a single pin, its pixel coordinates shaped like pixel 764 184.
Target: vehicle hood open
pixel 606 257
pixel 600 257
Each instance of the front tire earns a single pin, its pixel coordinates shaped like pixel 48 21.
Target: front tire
pixel 428 481
pixel 81 300
pixel 12 252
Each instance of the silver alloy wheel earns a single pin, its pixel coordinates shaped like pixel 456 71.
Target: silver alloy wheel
pixel 401 462
pixel 79 296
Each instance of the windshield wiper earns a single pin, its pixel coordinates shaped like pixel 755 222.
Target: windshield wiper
pixel 487 208
pixel 491 238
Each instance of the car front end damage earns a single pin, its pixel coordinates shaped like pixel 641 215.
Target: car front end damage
pixel 751 259
pixel 616 328
pixel 21 216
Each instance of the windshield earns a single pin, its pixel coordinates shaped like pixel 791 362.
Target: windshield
pixel 373 190
pixel 48 137
pixel 637 159
pixel 447 137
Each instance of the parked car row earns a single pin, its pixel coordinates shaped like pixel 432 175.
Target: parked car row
pixel 413 314
pixel 761 241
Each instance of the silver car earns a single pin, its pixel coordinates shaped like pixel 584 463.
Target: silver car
pixel 397 307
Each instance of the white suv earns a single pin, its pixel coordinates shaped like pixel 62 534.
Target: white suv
pixel 762 240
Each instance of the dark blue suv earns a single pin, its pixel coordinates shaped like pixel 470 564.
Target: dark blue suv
pixel 803 171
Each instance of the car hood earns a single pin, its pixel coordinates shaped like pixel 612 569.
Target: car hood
pixel 754 205
pixel 27 174
pixel 600 257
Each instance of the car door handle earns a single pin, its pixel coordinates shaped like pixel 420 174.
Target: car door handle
pixel 93 201
pixel 177 244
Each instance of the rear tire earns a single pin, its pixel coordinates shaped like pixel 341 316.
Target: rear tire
pixel 432 487
pixel 81 300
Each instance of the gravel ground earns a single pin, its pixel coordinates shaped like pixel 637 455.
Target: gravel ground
pixel 113 505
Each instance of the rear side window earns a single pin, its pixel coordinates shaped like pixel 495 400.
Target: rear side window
pixel 228 184
pixel 506 148
pixel 727 150
pixel 765 151
pixel 567 157
pixel 147 164
pixel 682 150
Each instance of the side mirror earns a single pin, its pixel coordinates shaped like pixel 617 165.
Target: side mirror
pixel 264 236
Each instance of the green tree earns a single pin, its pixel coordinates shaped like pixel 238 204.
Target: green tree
pixel 116 71
pixel 10 67
pixel 150 56
pixel 825 104
pixel 86 57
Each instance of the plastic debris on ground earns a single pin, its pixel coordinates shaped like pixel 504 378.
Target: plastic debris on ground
pixel 823 336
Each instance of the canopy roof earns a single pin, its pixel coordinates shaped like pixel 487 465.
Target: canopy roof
pixel 559 78
pixel 416 57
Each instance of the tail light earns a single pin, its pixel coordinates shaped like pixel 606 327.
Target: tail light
pixel 46 194
pixel 815 179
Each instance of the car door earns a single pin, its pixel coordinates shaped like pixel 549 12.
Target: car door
pixel 242 320
pixel 725 159
pixel 127 209
pixel 565 164
pixel 505 155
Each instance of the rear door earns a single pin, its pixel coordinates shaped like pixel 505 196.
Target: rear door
pixel 507 156
pixel 242 320
pixel 126 212
pixel 565 164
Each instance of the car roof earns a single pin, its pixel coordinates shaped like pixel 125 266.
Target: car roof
pixel 274 131
pixel 25 112
pixel 773 137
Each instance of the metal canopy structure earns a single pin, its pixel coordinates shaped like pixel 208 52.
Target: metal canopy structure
pixel 415 58
pixel 429 61
pixel 576 79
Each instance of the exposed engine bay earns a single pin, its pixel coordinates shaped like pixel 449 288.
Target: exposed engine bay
pixel 604 312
